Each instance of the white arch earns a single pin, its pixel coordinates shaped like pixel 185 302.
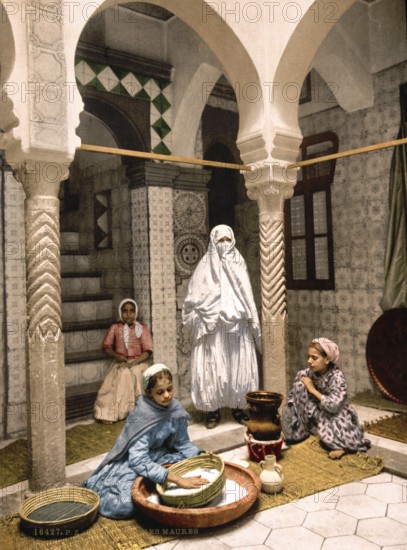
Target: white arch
pixel 296 60
pixel 186 123
pixel 202 17
pixel 239 47
pixel 8 120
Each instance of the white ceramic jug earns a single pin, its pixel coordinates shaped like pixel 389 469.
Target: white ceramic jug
pixel 271 476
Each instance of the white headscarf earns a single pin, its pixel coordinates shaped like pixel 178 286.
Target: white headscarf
pixel 125 302
pixel 151 371
pixel 126 329
pixel 330 348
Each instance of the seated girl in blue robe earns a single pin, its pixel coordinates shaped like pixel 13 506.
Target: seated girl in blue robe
pixel 155 433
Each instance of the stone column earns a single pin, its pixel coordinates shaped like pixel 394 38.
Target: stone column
pixel 45 342
pixel 153 255
pixel 270 187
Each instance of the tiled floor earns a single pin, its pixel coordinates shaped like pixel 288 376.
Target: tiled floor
pixel 367 515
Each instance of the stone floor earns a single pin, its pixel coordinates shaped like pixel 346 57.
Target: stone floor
pixel 367 515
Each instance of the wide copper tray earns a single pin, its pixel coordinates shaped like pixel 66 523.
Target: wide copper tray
pixel 386 354
pixel 199 517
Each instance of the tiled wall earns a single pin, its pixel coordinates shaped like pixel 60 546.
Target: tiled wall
pixel 120 81
pixel 360 219
pixel 140 240
pixel 190 244
pixel 15 303
pixel 2 310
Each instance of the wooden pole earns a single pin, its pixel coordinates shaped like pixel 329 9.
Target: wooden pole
pixel 167 158
pixel 349 153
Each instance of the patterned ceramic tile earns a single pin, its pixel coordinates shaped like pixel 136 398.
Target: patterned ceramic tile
pixel 118 81
pixel 161 250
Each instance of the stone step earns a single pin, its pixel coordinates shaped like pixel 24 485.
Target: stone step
pixel 78 374
pixel 80 284
pixel 84 356
pixel 80 401
pixel 77 263
pixel 85 336
pixel 69 242
pixel 88 308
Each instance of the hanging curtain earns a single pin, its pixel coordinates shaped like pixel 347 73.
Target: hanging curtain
pixel 395 261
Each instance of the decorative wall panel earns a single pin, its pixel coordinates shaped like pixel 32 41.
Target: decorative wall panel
pixel 124 82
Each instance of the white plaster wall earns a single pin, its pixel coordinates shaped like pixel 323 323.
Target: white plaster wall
pixel 387 35
pixel 195 76
pixel 127 31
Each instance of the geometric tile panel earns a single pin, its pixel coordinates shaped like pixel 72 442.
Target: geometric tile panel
pixel 124 82
pixel 103 229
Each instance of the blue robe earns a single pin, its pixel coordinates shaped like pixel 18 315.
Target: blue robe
pixel 152 436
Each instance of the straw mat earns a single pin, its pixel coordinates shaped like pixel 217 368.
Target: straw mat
pixel 82 442
pixel 392 427
pixel 307 470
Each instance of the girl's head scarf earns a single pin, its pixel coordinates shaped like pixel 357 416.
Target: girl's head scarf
pixel 330 348
pixel 151 371
pixel 125 302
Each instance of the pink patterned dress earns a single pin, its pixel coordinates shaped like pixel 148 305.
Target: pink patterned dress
pixel 123 383
pixel 333 418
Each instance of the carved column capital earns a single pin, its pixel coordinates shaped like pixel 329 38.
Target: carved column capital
pixel 41 178
pixel 270 184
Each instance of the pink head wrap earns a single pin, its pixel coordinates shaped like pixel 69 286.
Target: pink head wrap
pixel 330 348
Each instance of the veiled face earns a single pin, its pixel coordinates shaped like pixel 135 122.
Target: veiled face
pixel 222 238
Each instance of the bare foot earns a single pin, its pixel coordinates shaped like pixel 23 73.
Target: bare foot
pixel 336 454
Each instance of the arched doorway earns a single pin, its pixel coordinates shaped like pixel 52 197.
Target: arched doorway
pixel 222 187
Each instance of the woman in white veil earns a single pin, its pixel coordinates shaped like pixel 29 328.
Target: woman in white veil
pixel 222 325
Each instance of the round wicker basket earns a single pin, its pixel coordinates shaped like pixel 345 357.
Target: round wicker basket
pixel 59 512
pixel 206 493
pixel 199 518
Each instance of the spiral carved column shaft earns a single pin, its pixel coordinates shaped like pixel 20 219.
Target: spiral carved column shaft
pixel 270 186
pixel 273 297
pixel 45 342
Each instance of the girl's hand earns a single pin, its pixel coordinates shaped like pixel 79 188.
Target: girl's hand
pixel 192 482
pixel 308 383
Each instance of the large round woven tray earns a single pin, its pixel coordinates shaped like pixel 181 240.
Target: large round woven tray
pixel 204 494
pixel 386 350
pixel 59 512
pixel 200 518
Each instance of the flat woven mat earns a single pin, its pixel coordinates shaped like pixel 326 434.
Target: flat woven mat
pixel 307 470
pixel 393 427
pixel 82 442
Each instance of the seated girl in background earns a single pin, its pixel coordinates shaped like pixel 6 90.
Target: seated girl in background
pixel 318 404
pixel 155 433
pixel 130 345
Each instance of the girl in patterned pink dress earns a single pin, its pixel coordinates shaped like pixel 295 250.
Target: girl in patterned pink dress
pixel 128 342
pixel 318 404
